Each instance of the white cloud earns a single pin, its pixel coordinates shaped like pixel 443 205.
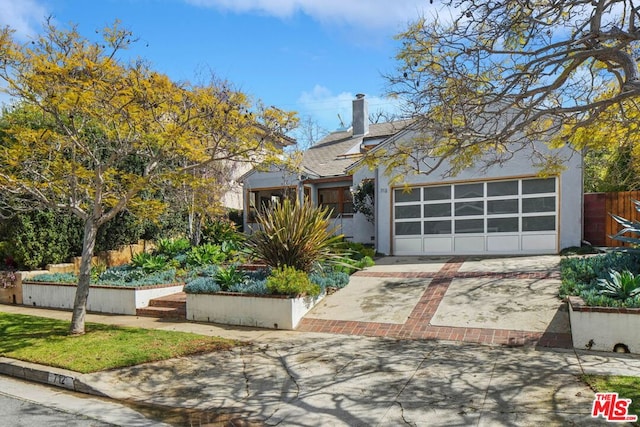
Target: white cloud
pixel 327 109
pixel 24 16
pixel 361 13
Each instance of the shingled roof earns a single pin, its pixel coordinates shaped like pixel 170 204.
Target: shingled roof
pixel 334 153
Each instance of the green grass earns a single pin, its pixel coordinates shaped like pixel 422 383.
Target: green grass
pixel 626 387
pixel 47 342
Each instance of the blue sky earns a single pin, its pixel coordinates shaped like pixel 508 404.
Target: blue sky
pixel 309 56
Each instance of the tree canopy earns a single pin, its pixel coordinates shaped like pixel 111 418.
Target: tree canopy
pixel 486 78
pixel 94 134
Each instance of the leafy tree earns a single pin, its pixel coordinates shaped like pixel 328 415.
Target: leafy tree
pixel 98 115
pixel 486 78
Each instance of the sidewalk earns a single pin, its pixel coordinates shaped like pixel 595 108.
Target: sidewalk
pixel 294 378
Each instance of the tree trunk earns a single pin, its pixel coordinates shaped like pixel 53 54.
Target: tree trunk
pixel 84 279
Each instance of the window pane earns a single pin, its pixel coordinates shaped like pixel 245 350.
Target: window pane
pixel 412 211
pixel 466 191
pixel 413 195
pixel 534 186
pixel 437 193
pixel 495 207
pixel 437 209
pixel 470 226
pixel 502 188
pixel 328 196
pixel 502 225
pixel 437 227
pixel 539 223
pixel 470 208
pixel 539 204
pixel 407 228
pixel 347 208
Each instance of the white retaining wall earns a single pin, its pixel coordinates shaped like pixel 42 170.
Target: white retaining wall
pixel 602 328
pixel 245 310
pixel 102 299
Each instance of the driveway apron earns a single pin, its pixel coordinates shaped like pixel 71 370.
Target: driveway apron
pixel 507 301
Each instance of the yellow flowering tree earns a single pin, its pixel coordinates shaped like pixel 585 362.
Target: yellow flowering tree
pixel 485 79
pixel 93 134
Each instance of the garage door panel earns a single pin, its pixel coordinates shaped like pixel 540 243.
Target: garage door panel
pixel 503 243
pixel 539 242
pixel 438 245
pixel 469 244
pixel 409 245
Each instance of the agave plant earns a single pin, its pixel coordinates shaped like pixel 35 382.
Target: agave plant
pixel 296 234
pixel 621 285
pixel 629 226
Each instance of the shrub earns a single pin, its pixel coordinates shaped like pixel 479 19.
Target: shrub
pixel 227 277
pixel 123 229
pixel 150 263
pixel 297 235
pixel 287 280
pixel 251 286
pixel 172 248
pixel 357 251
pixel 620 285
pixel 584 277
pixel 123 274
pixel 205 254
pixel 202 285
pixel 7 279
pixel 330 278
pixel 114 277
pixel 219 230
pixel 55 278
pixel 43 237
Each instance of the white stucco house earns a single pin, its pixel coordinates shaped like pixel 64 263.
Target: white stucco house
pixel 503 209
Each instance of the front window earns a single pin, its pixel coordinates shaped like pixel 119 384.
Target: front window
pixel 262 200
pixel 339 199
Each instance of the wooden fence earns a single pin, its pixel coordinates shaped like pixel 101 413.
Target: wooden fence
pixel 598 224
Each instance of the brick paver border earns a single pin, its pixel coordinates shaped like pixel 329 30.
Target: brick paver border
pixel 417 325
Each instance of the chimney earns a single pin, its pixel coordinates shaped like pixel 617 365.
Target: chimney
pixel 360 116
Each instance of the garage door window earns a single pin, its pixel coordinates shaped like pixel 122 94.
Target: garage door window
pixel 510 206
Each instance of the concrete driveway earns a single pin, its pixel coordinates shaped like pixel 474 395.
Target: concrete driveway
pixel 499 300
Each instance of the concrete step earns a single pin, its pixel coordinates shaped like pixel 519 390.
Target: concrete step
pixel 163 312
pixel 175 301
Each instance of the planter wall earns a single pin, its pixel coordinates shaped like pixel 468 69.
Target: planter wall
pixel 102 299
pixel 604 328
pixel 13 295
pixel 249 310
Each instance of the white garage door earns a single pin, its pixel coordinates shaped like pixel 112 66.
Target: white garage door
pixel 494 217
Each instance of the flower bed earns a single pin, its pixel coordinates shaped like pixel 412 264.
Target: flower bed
pixel 604 303
pixel 263 311
pixel 102 299
pixel 263 298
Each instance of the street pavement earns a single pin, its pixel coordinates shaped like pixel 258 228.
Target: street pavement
pixel 307 378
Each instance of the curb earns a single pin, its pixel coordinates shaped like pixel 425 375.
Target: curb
pixel 57 377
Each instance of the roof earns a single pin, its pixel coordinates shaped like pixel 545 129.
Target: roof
pixel 333 154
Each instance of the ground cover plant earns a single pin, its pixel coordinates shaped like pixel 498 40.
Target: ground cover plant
pixel 608 280
pixel 47 342
pixel 626 387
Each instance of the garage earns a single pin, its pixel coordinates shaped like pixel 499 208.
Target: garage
pixel 505 216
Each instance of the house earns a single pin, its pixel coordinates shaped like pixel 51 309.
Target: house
pixel 232 194
pixel 504 209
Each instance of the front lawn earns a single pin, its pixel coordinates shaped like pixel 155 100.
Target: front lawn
pixel 626 387
pixel 47 342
